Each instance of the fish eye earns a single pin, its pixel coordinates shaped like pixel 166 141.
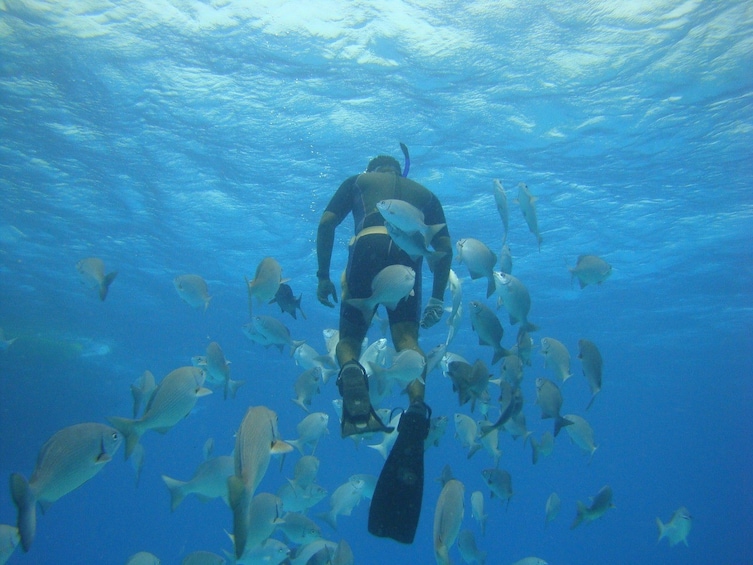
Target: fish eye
pixel 114 436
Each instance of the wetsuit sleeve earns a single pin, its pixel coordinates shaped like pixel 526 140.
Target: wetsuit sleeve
pixel 337 210
pixel 434 214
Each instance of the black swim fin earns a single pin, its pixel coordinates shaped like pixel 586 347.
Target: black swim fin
pixel 358 416
pixel 396 504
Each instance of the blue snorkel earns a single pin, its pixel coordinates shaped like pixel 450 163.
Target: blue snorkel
pixel 407 159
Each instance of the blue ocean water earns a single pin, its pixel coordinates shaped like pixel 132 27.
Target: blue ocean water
pixel 182 136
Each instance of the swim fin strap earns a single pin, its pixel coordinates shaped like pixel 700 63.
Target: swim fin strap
pixel 396 504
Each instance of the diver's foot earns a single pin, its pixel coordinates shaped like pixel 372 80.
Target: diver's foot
pixel 358 415
pixel 416 419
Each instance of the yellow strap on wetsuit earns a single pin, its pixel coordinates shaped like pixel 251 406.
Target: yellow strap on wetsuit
pixel 368 231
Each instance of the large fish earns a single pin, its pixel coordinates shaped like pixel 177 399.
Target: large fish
pixel 486 324
pixel 92 272
pixel 527 204
pixel 66 461
pixel 171 402
pixel 599 505
pixel 208 482
pixel 448 517
pixel 514 295
pixel 479 259
pixel 256 440
pixel 677 529
pixel 549 399
pixel 500 198
pixel 391 285
pixel 193 290
pixel 590 359
pixel 590 269
pixel 407 218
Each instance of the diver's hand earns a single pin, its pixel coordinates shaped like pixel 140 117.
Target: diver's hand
pixel 324 291
pixel 432 313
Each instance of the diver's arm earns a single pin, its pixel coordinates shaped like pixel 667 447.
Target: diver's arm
pixel 325 241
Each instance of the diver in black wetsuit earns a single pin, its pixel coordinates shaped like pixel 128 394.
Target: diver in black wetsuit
pixel 396 503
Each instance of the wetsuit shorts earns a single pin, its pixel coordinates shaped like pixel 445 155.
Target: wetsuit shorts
pixel 369 255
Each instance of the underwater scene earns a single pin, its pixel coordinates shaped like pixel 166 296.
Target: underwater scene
pixel 171 373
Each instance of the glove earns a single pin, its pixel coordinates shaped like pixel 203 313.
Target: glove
pixel 432 313
pixel 324 290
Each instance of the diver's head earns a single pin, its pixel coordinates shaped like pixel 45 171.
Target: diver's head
pixel 384 164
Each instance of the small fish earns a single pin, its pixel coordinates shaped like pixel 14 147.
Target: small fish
pixel 479 259
pixel 407 366
pixel 678 527
pixel 512 370
pixel 590 359
pixel 369 483
pixel 556 357
pixel 193 290
pixel 209 481
pixel 343 554
pixel 524 346
pixel 407 218
pixel 490 440
pixel 266 281
pixel 599 505
pixel 142 558
pixel 274 332
pixel 66 461
pixel 306 386
pixel 343 500
pixel 287 302
pixel 9 539
pixel 271 552
pixel 456 292
pixel 310 431
pixel 505 259
pixel 466 430
pixel 304 473
pixel 202 558
pixel 414 245
pixel 218 369
pixel 590 269
pixel 171 402
pixel 527 204
pixel 543 449
pixel 92 272
pixel 469 381
pixel 437 427
pixel 390 285
pixel 552 508
pixel 388 438
pixel 500 198
pixel 514 296
pixel 549 399
pixel 510 405
pixel 5 343
pixel 468 549
pixel 142 390
pixel 531 561
pixel 448 517
pixel 477 509
pixel 265 513
pixel 295 499
pixel 499 482
pixel 299 529
pixel 581 434
pixel 489 329
pixel 446 475
pixel 256 440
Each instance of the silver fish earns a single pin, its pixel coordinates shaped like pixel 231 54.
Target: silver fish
pixel 218 369
pixel 599 505
pixel 193 290
pixel 66 461
pixel 479 259
pixel 590 269
pixel 142 390
pixel 343 554
pixel 143 558
pixel 271 552
pixel 9 539
pixel 343 500
pixel 468 549
pixel 466 430
pixel 390 285
pixel 209 481
pixel 92 272
pixel 549 399
pixel 512 370
pixel 527 204
pixel 489 329
pixel 310 430
pixel 266 281
pixel 543 449
pixel 556 357
pixel 256 440
pixel 514 295
pixel 500 198
pixel 203 558
pixel 590 359
pixel 477 509
pixel 677 529
pixel 295 499
pixel 448 517
pixel 552 508
pixel 306 386
pixel 171 402
pixel 265 513
pixel 274 332
pixel 299 529
pixel 469 381
pixel 505 259
pixel 581 434
pixel 407 218
pixel 414 245
pixel 531 561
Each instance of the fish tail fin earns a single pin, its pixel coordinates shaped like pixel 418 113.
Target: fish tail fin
pixel 559 423
pixel 535 449
pixel 127 427
pixel 529 327
pixel 500 352
pixel 662 529
pixel 300 403
pixel 232 387
pixel 106 282
pixel 177 491
pixel 491 287
pixel 25 502
pixel 431 231
pixel 593 397
pixel 330 518
pixel 297 444
pixel 474 449
pixel 380 447
pixel 590 458
pixel 579 516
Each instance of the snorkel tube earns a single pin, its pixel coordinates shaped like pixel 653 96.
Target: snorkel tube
pixel 406 168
